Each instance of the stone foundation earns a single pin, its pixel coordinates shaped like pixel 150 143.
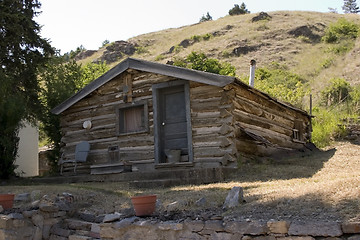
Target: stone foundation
pixel 55 223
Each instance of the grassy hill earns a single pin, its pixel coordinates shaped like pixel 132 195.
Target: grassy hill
pixel 292 39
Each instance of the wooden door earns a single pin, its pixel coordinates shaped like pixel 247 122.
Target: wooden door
pixel 173 121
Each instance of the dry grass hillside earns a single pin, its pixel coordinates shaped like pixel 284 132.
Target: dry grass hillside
pixel 289 38
pixel 322 186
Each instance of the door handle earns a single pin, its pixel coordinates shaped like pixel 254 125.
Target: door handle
pixel 163 124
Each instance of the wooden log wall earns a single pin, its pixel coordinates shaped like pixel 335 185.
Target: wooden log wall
pixel 212 129
pixel 100 108
pixel 267 118
pixel 217 116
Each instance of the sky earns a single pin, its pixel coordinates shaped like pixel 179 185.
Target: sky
pixel 71 23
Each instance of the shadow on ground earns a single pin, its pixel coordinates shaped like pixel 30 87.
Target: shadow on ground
pixel 294 165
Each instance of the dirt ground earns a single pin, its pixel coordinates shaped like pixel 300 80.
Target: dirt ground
pixel 323 186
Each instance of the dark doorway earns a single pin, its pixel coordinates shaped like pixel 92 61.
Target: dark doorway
pixel 172 121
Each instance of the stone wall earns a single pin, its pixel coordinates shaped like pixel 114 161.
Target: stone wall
pixel 48 221
pixel 57 222
pixel 137 228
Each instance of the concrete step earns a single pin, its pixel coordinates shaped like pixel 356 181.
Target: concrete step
pixel 157 183
pixel 109 168
pixel 139 179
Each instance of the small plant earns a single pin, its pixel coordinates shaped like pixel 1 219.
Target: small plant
pixel 178 48
pixel 159 57
pixel 196 38
pixel 141 50
pixel 262 27
pixel 206 36
pixel 304 39
pixel 226 54
pixel 327 63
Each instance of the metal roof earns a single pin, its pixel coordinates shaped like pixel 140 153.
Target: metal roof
pixel 146 66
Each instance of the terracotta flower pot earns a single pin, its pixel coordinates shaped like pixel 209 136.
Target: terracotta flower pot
pixel 7 200
pixel 144 205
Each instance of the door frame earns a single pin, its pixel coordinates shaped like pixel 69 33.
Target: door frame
pixel 156 116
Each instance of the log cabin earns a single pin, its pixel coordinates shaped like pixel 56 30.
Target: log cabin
pixel 152 116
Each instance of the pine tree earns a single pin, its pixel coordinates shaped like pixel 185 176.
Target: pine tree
pixel 206 18
pixel 350 6
pixel 22 51
pixel 238 10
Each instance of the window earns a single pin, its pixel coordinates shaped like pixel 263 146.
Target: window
pixel 132 118
pixel 297 130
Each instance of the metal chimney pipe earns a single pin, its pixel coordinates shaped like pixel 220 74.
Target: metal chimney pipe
pixel 252 72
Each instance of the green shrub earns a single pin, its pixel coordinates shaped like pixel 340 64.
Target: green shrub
pixel 327 63
pixel 206 36
pixel 342 47
pixel 355 97
pixel 199 61
pixel 327 125
pixel 196 38
pixel 159 57
pixel 337 92
pixel 178 48
pixel 262 27
pixel 342 29
pixel 281 84
pixel 141 50
pixel 305 39
pixel 226 54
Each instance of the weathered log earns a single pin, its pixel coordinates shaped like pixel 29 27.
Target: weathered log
pixel 243 117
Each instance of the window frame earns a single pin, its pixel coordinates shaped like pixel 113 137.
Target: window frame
pixel 297 131
pixel 125 106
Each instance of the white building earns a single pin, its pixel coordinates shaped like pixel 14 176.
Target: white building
pixel 28 157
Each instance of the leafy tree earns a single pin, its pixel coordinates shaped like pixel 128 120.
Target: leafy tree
pixel 206 18
pixel 91 71
pixel 350 6
pixel 61 80
pixel 22 51
pixel 238 10
pixel 199 61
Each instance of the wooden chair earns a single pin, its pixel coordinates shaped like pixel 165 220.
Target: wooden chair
pixel 81 153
